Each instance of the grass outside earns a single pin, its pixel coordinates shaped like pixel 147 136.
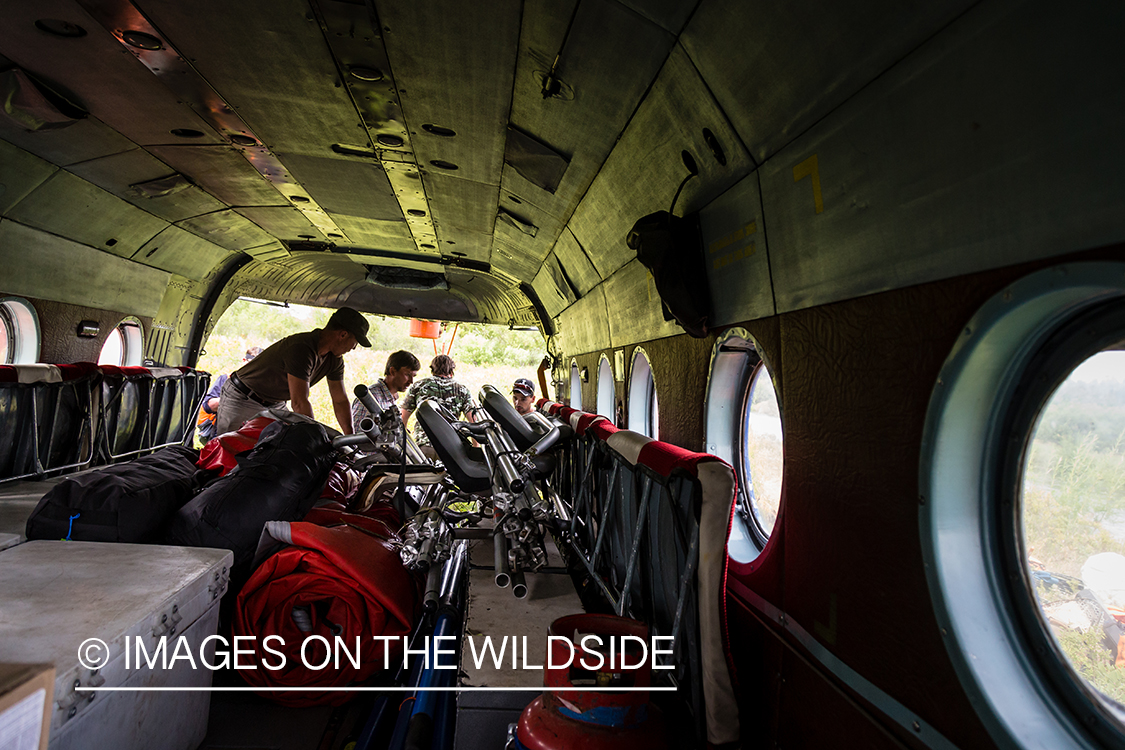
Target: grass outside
pixel 490 355
pixel 1073 501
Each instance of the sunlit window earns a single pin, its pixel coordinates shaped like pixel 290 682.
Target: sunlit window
pixel 642 397
pixel 19 332
pixel 1073 495
pixel 124 346
pixel 762 452
pixel 606 392
pixel 575 387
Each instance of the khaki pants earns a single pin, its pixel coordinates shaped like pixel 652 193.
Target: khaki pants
pixel 236 409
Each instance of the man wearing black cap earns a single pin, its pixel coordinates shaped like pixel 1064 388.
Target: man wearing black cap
pixel 286 370
pixel 523 393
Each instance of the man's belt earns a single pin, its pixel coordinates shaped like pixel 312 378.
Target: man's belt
pixel 246 391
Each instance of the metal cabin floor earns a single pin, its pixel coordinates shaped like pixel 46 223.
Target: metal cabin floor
pixel 483 717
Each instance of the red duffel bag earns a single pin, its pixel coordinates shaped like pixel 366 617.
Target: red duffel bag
pixel 342 582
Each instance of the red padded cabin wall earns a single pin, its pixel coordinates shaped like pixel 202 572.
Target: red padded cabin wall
pixel 845 562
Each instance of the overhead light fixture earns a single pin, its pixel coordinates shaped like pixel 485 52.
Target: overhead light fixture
pixel 240 139
pixel 89 329
pixel 365 74
pixel 141 40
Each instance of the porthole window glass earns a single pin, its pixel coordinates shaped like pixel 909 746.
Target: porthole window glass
pixel 19 332
pixel 1021 512
pixel 1073 512
pixel 744 427
pixel 575 387
pixel 124 346
pixel 642 397
pixel 762 452
pixel 605 389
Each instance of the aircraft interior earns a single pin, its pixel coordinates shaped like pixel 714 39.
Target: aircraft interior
pixel 832 300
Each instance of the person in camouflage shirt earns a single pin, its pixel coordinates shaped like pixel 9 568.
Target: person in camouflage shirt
pixel 441 387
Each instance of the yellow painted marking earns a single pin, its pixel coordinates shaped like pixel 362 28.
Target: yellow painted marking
pixel 808 168
pixel 828 632
pixel 739 254
pixel 733 237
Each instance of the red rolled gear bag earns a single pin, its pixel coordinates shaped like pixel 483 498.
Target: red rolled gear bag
pixel 348 581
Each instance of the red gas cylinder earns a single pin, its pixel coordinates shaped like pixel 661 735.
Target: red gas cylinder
pixel 589 719
pixel 425 329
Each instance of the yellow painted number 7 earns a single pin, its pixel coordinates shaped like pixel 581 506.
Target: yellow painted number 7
pixel 808 168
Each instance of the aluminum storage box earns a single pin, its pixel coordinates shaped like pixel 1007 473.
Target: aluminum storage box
pixel 56 595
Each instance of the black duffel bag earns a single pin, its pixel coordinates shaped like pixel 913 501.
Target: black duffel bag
pixel 128 502
pixel 279 480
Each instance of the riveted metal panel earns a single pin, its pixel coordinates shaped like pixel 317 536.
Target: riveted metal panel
pixel 227 229
pixel 20 173
pixel 181 253
pixel 777 68
pixel 453 63
pixel 346 186
pixel 890 191
pixel 576 263
pixel 380 235
pixel 98 71
pixel 43 265
pixel 634 309
pixel 117 173
pixel 223 172
pixel 512 259
pixel 69 206
pixel 645 168
pixel 472 245
pixel 584 327
pixel 283 82
pixel 610 58
pixel 737 258
pixel 460 205
pixel 283 223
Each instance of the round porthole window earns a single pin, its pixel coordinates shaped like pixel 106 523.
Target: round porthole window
pixel 1023 508
pixel 124 346
pixel 19 332
pixel 744 426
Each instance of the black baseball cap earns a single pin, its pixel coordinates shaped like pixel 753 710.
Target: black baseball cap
pixel 523 386
pixel 352 321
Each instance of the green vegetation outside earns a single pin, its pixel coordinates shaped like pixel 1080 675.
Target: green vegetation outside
pixel 1074 506
pixel 484 354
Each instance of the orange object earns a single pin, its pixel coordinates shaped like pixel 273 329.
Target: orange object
pixel 1120 661
pixel 425 329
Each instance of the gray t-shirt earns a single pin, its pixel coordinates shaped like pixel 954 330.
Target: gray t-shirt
pixel 294 355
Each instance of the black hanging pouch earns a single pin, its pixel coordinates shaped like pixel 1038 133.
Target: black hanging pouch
pixel 671 248
pixel 127 502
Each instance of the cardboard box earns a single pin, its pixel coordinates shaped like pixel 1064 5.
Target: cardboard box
pixel 25 705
